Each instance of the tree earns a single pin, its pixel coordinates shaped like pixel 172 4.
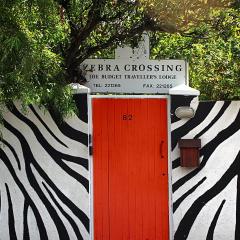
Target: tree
pixel 184 14
pixel 31 34
pixel 213 52
pixel 43 42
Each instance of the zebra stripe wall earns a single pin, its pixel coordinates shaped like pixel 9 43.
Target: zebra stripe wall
pixel 44 175
pixel 206 199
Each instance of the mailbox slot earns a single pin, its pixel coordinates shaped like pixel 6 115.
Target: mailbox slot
pixel 189 152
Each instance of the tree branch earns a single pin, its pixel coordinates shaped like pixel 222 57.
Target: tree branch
pixel 94 18
pixel 114 40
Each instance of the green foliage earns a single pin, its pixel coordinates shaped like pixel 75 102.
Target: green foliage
pixel 213 53
pixel 183 14
pixel 30 63
pixel 43 42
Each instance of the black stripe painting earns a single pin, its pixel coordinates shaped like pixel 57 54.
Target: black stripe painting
pixel 205 199
pixel 44 184
pixel 45 173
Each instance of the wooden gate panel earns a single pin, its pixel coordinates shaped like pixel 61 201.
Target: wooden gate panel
pixel 130 169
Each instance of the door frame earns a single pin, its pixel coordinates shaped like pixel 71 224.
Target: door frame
pixel 90 157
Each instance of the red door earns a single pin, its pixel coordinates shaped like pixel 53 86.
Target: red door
pixel 130 169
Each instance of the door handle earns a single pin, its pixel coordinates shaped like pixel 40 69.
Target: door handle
pixel 161 149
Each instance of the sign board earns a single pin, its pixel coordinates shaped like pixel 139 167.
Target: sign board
pixel 133 72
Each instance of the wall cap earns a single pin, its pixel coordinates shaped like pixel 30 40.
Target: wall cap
pixel 78 88
pixel 184 90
